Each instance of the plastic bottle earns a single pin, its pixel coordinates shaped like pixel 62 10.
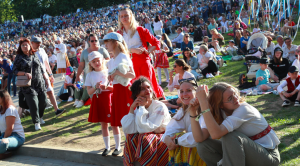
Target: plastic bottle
pixel 79 85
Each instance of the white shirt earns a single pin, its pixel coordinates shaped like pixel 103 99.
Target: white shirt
pixel 186 75
pixel 187 139
pixel 201 62
pixel 68 79
pixel 179 38
pixel 231 49
pixel 249 121
pixel 277 45
pixel 160 50
pixel 157 25
pixel 134 42
pixel 93 77
pixel 271 49
pixel 121 58
pixel 256 30
pixel 284 83
pixel 18 128
pixel 144 120
pixel 43 57
pixel 290 57
pixel 52 59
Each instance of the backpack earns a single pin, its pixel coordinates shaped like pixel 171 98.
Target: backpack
pixel 198 36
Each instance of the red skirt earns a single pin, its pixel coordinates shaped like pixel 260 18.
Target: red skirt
pixel 147 149
pixel 161 60
pixel 143 67
pixel 100 110
pixel 121 102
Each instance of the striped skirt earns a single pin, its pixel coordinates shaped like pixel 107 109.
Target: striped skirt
pixel 185 156
pixel 147 149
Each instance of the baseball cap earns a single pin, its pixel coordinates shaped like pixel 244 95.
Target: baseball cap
pixel 36 39
pixel 69 70
pixel 293 69
pixel 231 41
pixel 93 55
pixel 113 36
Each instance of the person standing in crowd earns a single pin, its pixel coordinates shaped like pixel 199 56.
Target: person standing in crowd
pixel 144 125
pixel 71 52
pixel 148 25
pixel 101 94
pixel 84 63
pixel 121 101
pixel 247 138
pixel 178 135
pixel 41 54
pixel 52 62
pixel 161 60
pixel 28 64
pixel 12 132
pixel 62 59
pixel 179 39
pixel 7 65
pixel 136 38
pixel 158 25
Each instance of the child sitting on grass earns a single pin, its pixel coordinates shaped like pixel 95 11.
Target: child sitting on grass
pixel 293 85
pixel 232 49
pixel 263 77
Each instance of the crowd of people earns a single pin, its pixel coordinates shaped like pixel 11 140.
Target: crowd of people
pixel 109 56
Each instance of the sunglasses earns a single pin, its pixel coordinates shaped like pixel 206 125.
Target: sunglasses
pixel 188 80
pixel 187 36
pixel 92 41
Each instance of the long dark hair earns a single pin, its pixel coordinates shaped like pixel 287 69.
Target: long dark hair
pixel 6 99
pixel 157 18
pixel 181 62
pixel 20 52
pixel 136 87
pixel 185 58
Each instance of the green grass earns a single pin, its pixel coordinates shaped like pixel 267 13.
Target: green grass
pixel 285 121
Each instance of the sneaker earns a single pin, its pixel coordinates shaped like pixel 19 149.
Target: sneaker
pixel 37 126
pixel 211 76
pixel 199 77
pixel 70 99
pixel 80 104
pixel 42 121
pixel 58 112
pixel 297 103
pixel 105 152
pixel 275 92
pixel 75 103
pixel 116 152
pixel 285 103
pixel 207 75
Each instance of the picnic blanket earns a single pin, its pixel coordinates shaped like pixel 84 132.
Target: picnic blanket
pixel 254 91
pixel 172 111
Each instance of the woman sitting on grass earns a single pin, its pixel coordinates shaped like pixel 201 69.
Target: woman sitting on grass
pixel 12 132
pixel 192 60
pixel 144 125
pixel 246 136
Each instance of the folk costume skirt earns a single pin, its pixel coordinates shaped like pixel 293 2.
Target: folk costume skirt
pixel 121 102
pixel 147 149
pixel 142 67
pixel 100 110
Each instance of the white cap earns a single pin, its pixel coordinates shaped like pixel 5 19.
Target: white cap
pixel 58 39
pixel 94 54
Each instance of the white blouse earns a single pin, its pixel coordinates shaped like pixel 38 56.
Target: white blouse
pixel 144 120
pixel 187 139
pixel 93 77
pixel 249 121
pixel 134 42
pixel 186 75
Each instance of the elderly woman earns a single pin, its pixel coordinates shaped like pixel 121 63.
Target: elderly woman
pixel 28 64
pixel 144 125
pixel 12 132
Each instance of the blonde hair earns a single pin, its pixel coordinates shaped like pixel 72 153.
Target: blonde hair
pixel 169 43
pixel 216 99
pixel 133 22
pixel 103 65
pixel 122 46
pixel 215 31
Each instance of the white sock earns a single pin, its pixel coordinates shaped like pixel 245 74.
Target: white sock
pixel 167 73
pixel 159 74
pixel 117 141
pixel 107 142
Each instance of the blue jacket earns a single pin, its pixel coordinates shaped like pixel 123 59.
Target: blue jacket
pixel 189 45
pixel 193 62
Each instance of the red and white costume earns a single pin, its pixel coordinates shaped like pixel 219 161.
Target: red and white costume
pixel 141 62
pixel 102 99
pixel 121 99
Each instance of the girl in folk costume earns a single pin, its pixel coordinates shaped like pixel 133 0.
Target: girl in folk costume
pixel 144 125
pixel 136 37
pixel 96 83
pixel 247 138
pixel 178 135
pixel 120 74
pixel 62 59
pixel 161 60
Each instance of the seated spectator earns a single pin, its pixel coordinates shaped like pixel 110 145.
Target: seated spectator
pixel 52 61
pixel 187 43
pixel 224 25
pixel 278 66
pixel 270 48
pixel 191 29
pixel 232 49
pixel 275 25
pixel 263 77
pixel 237 40
pixel 144 126
pixel 280 42
pixel 289 50
pixel 191 60
pixel 69 83
pixel 178 135
pixel 216 36
pixel 236 26
pixel 12 132
pixel 245 134
pixel 297 60
pixel 244 40
pixel 293 87
pixel 206 61
pixel 212 25
pixel 179 39
pixel 256 29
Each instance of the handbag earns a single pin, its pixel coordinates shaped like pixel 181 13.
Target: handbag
pixel 23 81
